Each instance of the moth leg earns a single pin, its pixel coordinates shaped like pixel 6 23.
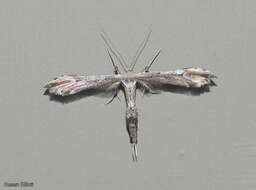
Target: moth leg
pixel 134 152
pixel 143 92
pixel 116 70
pixel 114 51
pixel 147 88
pixel 114 96
pixel 146 69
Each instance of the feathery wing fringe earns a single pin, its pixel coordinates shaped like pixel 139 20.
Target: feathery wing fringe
pixel 187 77
pixel 71 84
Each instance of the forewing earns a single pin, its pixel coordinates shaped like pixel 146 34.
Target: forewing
pixel 71 84
pixel 187 77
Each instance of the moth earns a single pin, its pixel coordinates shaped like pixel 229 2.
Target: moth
pixel 186 81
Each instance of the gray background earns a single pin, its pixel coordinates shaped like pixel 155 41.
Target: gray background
pixel 185 142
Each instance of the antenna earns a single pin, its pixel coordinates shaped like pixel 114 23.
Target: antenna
pixel 113 50
pixel 140 50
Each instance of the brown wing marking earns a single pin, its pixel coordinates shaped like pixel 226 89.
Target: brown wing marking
pixel 71 84
pixel 187 77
